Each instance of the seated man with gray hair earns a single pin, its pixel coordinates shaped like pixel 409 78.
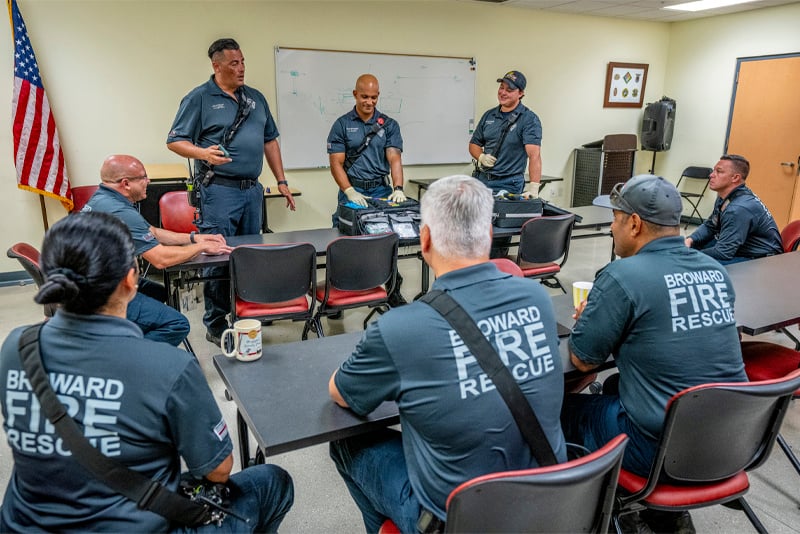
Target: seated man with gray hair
pixel 455 424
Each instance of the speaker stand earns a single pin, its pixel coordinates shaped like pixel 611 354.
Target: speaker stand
pixel 653 164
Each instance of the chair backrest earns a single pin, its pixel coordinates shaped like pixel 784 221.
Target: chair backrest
pixel 714 431
pixel 790 236
pixel 508 266
pixel 177 215
pixel 356 263
pixel 81 195
pixel 268 274
pixel 575 496
pixel 546 239
pixel 28 257
pixel 696 173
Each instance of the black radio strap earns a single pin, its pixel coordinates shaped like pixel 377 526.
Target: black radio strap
pixel 245 105
pixel 377 126
pixel 496 370
pixel 506 127
pixel 148 494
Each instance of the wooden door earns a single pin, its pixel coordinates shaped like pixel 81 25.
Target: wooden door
pixel 765 128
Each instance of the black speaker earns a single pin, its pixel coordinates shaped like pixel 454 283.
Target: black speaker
pixel 658 124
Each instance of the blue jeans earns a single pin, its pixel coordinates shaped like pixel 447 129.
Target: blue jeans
pixel 374 469
pixel 228 211
pixel 158 321
pixel 262 493
pixel 594 420
pixel 382 191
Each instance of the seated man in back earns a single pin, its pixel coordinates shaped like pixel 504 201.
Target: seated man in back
pixel 124 181
pixel 741 227
pixel 665 312
pixel 456 425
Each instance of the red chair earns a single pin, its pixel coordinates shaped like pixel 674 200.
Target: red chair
pixel 508 266
pixel 767 361
pixel 790 236
pixel 272 282
pixel 28 257
pixel 712 435
pixel 576 496
pixel 544 241
pixel 81 195
pixel 360 271
pixel 177 215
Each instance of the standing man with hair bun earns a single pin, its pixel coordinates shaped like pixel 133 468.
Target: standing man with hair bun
pixel 227 128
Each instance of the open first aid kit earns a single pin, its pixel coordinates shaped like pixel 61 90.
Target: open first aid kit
pixel 379 217
pixel 511 211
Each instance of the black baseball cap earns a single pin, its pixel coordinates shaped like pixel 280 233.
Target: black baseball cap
pixel 515 79
pixel 651 197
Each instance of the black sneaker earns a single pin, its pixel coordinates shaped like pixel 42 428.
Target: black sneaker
pixel 671 522
pixel 212 338
pixel 633 524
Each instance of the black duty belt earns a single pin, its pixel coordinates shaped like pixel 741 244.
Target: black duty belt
pixel 234 182
pixel 367 184
pixel 490 177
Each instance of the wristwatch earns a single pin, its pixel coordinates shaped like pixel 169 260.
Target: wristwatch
pixel 398 188
pixel 191 237
pixel 283 182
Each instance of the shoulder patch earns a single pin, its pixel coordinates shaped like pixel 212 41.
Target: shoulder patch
pixel 221 430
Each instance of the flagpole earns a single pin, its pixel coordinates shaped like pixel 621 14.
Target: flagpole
pixel 44 213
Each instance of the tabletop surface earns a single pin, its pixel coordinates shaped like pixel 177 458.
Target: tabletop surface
pixel 284 398
pixel 767 292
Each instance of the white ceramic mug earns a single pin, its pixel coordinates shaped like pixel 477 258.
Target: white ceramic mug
pixel 580 291
pixel 246 344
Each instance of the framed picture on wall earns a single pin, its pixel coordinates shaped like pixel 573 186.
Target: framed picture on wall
pixel 625 83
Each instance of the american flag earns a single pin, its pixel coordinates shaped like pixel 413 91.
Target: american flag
pixel 37 150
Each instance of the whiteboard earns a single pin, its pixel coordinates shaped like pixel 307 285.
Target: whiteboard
pixel 432 98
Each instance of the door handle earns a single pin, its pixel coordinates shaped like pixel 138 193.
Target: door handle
pixel 789 164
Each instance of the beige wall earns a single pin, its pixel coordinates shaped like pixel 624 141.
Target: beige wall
pixel 116 70
pixel 700 74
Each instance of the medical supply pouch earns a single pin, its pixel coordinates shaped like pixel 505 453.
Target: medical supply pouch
pixel 511 211
pixel 379 217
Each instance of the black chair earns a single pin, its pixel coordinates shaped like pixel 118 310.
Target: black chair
pixel 767 361
pixel 543 242
pixel 360 271
pixel 712 435
pixel 576 496
pixel 28 257
pixel 694 198
pixel 272 282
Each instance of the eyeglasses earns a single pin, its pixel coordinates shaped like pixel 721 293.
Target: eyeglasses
pixel 132 178
pixel 617 198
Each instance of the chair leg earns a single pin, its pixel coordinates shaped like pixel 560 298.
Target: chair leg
pixel 751 515
pixel 189 347
pixel 791 336
pixel 787 449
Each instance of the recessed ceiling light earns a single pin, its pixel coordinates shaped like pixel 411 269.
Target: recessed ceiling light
pixel 701 5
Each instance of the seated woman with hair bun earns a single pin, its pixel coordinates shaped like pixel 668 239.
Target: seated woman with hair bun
pixel 142 403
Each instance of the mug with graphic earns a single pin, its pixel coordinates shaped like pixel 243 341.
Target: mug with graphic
pixel 246 343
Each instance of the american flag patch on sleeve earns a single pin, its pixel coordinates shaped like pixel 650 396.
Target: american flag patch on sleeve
pixel 221 430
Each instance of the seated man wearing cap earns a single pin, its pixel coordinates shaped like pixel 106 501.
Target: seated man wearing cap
pixel 741 227
pixel 643 310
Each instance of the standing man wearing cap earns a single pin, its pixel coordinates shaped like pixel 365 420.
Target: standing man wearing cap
pixel 227 128
pixel 741 227
pixel 508 137
pixel 644 310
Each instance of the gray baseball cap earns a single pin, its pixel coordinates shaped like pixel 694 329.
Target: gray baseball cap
pixel 653 198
